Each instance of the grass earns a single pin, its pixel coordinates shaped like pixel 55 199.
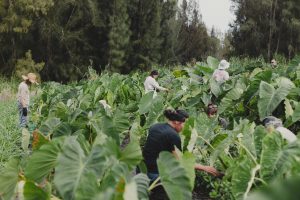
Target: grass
pixel 10 133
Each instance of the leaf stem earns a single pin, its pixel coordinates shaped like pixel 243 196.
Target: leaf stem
pixel 153 185
pixel 250 154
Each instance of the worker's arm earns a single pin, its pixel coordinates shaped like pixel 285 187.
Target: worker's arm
pixel 208 169
pixel 155 84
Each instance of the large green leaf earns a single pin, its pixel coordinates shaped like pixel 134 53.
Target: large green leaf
pixel 132 155
pixel 221 148
pixel 277 158
pixel 243 178
pixel 248 138
pixel 49 126
pixel 115 174
pixel 142 182
pixel 228 101
pixel 259 133
pixel 33 192
pixel 155 112
pixel 187 132
pixel 76 173
pixel 43 161
pixel 204 70
pixel 105 195
pixel 115 125
pixel 130 192
pixel 215 87
pixel 212 62
pixel 253 89
pixel 8 179
pixel 205 126
pixel 270 97
pixel 174 177
pixel 146 103
pixel 281 189
pixel 296 113
pixel 288 108
pixel 187 160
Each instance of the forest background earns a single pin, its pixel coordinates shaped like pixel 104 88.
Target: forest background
pixel 60 39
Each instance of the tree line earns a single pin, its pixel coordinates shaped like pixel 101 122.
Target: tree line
pixel 61 38
pixel 266 27
pixel 65 36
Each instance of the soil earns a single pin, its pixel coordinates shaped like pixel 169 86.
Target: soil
pixel 200 194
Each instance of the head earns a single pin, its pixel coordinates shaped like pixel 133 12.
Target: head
pixel 176 118
pixel 272 121
pixel 154 74
pixel 223 65
pixel 212 109
pixel 30 78
pixel 273 63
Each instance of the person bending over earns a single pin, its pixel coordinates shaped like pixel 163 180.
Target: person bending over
pixel 165 137
pixel 151 84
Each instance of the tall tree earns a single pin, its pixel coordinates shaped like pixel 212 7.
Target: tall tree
pixel 146 41
pixel 168 20
pixel 16 19
pixel 119 35
pixel 270 26
pixel 193 39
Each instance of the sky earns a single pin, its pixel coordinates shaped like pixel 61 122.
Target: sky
pixel 216 13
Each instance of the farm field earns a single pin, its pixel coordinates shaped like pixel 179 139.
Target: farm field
pixel 84 149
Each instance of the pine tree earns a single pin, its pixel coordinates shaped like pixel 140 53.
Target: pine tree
pixel 146 41
pixel 119 35
pixel 270 26
pixel 168 31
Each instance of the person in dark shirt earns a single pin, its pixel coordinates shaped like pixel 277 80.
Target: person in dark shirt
pixel 164 137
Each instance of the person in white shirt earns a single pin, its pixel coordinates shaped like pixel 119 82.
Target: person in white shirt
pixel 277 124
pixel 273 63
pixel 24 97
pixel 151 84
pixel 221 75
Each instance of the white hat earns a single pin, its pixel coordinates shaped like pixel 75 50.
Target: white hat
pixel 223 64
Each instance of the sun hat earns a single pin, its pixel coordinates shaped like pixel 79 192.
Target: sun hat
pixel 223 64
pixel 30 77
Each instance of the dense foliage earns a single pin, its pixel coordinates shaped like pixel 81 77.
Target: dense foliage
pixel 266 27
pixel 69 35
pixel 83 149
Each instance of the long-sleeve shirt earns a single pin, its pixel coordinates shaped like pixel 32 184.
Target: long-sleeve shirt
pixel 286 134
pixel 151 85
pixel 220 75
pixel 23 94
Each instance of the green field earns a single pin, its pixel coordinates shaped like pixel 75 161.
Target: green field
pixel 81 150
pixel 9 132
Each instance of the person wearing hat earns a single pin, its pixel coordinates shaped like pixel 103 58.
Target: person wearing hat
pixel 221 75
pixel 272 121
pixel 165 137
pixel 24 97
pixel 273 63
pixel 151 84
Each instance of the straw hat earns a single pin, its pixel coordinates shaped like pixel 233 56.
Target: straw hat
pixel 223 64
pixel 30 77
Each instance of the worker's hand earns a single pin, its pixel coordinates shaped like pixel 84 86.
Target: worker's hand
pixel 209 169
pixel 24 111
